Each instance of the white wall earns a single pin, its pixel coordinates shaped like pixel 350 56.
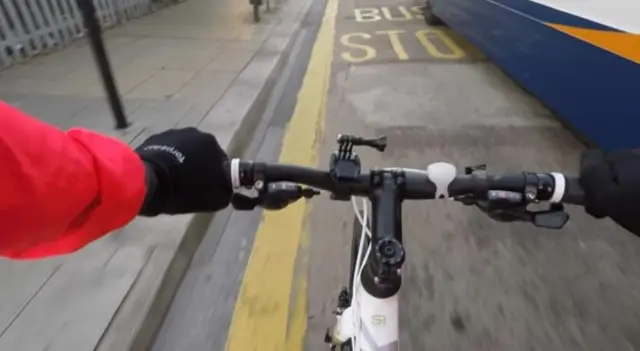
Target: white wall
pixel 620 14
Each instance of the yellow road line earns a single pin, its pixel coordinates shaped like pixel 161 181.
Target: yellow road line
pixel 298 317
pixel 260 319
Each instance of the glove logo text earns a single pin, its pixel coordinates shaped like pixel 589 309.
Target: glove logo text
pixel 170 149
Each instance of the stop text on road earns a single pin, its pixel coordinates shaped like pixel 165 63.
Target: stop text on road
pixel 433 41
pixel 409 39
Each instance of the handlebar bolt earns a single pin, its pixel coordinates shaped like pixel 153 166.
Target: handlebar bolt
pixel 259 184
pixel 530 196
pixel 389 252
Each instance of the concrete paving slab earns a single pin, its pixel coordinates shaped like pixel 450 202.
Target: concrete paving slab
pixel 73 308
pixel 207 86
pixel 163 84
pixel 231 61
pixel 113 294
pixel 98 116
pixel 54 109
pixel 26 280
pixel 162 114
pixel 195 114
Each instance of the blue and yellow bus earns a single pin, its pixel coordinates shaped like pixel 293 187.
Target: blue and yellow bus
pixel 581 58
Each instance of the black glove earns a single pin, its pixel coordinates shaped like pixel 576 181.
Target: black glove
pixel 611 184
pixel 185 173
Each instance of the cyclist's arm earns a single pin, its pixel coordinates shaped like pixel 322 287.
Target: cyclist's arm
pixel 59 190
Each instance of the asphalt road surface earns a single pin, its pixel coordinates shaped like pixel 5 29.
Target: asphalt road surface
pixel 469 283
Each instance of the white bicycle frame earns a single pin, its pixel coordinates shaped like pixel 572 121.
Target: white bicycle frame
pixel 370 323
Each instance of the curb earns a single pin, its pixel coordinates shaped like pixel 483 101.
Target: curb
pixel 142 311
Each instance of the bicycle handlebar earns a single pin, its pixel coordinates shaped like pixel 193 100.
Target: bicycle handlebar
pixel 503 197
pixel 439 180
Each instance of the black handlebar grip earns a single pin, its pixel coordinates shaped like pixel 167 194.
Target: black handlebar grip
pixel 573 193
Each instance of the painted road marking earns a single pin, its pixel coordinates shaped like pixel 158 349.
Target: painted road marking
pixel 397 14
pixel 369 52
pixel 261 316
pixel 359 47
pixel 394 33
pixel 432 48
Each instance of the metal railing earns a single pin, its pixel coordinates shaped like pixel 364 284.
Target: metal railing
pixel 30 27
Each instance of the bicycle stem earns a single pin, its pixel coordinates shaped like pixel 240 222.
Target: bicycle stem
pixel 381 274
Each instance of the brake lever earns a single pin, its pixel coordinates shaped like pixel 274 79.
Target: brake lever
pixel 553 218
pixel 503 210
pixel 275 196
pixel 243 202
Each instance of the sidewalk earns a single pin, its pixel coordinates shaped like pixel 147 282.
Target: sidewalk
pixel 202 63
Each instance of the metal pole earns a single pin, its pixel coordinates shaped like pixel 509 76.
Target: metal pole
pixel 88 10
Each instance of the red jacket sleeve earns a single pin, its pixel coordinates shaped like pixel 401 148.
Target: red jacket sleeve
pixel 59 190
